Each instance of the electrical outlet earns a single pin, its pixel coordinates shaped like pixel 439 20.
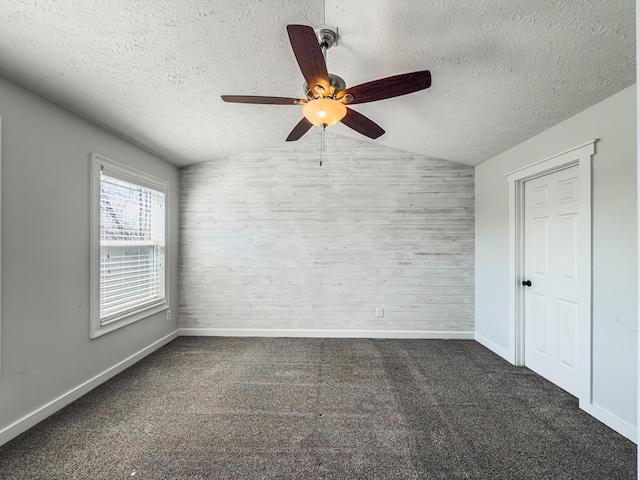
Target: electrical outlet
pixel 169 314
pixel 379 312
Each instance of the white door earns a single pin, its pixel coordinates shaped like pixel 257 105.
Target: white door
pixel 551 302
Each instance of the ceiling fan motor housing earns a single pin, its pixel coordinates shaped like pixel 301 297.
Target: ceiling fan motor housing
pixel 337 85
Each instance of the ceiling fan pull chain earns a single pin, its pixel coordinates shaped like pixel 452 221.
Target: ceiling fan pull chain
pixel 324 126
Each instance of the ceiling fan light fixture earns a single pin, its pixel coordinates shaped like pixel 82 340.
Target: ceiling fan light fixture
pixel 324 111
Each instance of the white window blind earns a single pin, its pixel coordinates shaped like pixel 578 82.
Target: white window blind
pixel 132 247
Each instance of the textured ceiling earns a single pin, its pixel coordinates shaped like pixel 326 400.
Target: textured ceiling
pixel 153 70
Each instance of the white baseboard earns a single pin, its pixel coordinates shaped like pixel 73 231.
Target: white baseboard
pixel 318 333
pixel 495 348
pixel 610 420
pixel 50 408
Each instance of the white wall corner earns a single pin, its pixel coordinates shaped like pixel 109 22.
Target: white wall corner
pixel 505 353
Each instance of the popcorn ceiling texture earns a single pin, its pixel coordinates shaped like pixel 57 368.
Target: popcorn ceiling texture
pixel 153 71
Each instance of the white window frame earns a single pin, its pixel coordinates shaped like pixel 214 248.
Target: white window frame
pixel 99 165
pixel 0 232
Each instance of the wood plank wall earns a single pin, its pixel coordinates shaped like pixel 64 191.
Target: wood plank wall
pixel 272 241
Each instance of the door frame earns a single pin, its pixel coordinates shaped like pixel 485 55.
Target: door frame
pixel 577 156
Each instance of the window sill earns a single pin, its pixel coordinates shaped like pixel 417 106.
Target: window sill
pixel 98 330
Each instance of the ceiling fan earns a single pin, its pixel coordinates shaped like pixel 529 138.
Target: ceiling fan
pixel 327 95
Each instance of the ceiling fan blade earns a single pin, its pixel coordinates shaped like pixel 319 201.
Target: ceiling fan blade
pixel 362 124
pixel 257 99
pixel 309 55
pixel 299 130
pixel 390 87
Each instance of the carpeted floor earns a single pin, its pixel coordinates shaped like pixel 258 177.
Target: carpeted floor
pixel 245 408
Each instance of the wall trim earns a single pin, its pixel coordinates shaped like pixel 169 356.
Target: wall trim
pixel 610 420
pixel 547 164
pixel 324 333
pixel 494 347
pixel 35 417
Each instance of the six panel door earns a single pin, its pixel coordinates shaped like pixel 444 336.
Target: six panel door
pixel 551 264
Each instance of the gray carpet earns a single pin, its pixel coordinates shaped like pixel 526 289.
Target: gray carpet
pixel 219 408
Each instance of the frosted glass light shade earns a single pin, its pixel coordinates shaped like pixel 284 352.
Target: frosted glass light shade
pixel 324 111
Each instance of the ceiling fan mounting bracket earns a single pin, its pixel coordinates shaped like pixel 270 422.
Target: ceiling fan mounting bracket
pixel 327 36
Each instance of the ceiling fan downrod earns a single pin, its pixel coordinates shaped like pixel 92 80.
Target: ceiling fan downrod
pixel 327 38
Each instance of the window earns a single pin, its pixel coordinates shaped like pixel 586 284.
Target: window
pixel 128 246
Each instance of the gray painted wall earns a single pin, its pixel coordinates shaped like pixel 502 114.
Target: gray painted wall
pixel 271 242
pixel 46 351
pixel 614 211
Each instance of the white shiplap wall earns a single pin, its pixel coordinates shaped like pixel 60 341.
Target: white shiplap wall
pixel 274 244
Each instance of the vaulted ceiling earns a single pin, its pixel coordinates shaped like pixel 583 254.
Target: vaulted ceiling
pixel 152 71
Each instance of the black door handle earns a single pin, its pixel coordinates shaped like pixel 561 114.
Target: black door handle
pixel 526 283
